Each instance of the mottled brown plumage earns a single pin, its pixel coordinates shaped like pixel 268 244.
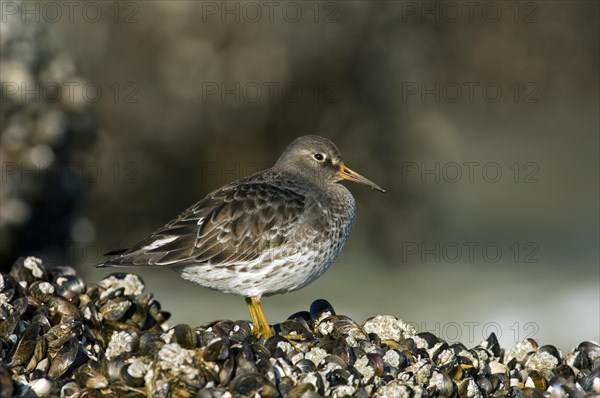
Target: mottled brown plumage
pixel 270 233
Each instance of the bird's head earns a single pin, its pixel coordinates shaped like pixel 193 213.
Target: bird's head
pixel 319 160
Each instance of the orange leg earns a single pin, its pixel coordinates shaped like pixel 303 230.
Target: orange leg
pixel 261 327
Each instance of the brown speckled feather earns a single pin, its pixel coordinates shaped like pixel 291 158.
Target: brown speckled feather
pixel 235 224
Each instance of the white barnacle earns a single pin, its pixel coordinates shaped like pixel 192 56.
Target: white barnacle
pixel 119 343
pixel 35 265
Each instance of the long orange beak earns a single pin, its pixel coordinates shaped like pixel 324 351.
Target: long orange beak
pixel 346 173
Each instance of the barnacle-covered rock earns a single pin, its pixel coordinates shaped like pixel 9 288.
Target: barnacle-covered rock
pixel 61 337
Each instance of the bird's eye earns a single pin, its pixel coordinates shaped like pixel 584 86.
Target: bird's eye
pixel 319 157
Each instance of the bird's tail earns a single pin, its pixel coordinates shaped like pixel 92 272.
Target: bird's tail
pixel 111 262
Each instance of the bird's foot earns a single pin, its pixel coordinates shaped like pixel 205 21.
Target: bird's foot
pixel 263 330
pixel 260 327
pixel 294 337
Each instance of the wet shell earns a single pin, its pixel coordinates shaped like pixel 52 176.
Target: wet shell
pixel 64 358
pixel 26 346
pixel 62 332
pixel 185 336
pixel 62 309
pixel 319 310
pixel 254 384
pixel 115 309
pixel 217 350
pixel 241 332
pixel 29 269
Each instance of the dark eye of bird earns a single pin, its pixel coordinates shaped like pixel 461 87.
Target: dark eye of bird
pixel 319 157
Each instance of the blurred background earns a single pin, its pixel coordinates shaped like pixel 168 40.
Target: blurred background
pixel 479 118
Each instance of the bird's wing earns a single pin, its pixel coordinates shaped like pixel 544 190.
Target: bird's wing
pixel 233 225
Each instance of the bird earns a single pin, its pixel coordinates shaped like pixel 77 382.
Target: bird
pixel 269 233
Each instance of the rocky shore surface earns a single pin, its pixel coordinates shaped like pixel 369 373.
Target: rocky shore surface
pixel 62 337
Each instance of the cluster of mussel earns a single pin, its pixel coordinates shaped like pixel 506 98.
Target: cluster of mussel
pixel 61 337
